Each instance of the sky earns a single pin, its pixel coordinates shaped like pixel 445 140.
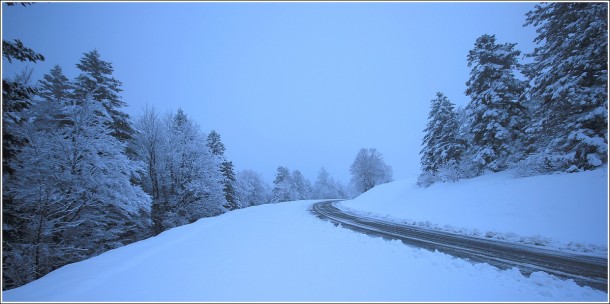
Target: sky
pixel 294 84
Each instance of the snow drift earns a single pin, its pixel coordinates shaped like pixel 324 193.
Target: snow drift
pixel 561 211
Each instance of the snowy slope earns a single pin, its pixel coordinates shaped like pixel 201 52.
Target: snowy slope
pixel 281 252
pixel 562 211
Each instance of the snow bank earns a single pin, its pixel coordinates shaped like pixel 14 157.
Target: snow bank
pixel 282 253
pixel 564 211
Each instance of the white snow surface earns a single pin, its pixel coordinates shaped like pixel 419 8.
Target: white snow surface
pixel 567 211
pixel 280 252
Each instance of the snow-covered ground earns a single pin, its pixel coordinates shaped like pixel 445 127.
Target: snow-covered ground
pixel 280 252
pixel 567 212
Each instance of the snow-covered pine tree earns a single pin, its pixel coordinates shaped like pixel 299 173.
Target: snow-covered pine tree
pixel 569 78
pixel 283 190
pixel 54 90
pixel 17 50
pixel 228 185
pixel 442 145
pixel 369 170
pixel 215 144
pixel 226 168
pixel 496 115
pixel 96 81
pixel 54 86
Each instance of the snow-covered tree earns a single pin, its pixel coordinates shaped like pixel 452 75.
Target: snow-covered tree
pixel 441 142
pixel 301 186
pixel 17 50
pixel 283 189
pixel 496 114
pixel 326 187
pixel 73 191
pixel 569 78
pixel 55 91
pixel 96 81
pixel 215 144
pixel 369 170
pixel 71 195
pixel 182 174
pixel 54 86
pixel 192 182
pixel 228 185
pixel 149 144
pixel 322 186
pixel 251 189
pixel 226 168
pixel 16 97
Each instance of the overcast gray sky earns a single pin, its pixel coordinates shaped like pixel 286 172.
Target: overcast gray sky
pixel 302 85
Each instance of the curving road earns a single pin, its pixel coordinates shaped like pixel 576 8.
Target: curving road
pixel 584 270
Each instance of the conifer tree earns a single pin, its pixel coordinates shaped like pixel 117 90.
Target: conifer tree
pixel 569 77
pixel 54 86
pixel 441 142
pixel 215 144
pixel 96 80
pixel 55 91
pixel 496 116
pixel 226 168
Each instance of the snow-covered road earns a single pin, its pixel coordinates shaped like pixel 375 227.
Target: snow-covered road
pixel 585 270
pixel 280 252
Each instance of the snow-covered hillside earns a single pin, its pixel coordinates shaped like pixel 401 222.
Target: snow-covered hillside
pixel 280 252
pixel 561 211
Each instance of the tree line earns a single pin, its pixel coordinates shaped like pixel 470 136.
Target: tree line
pixel 368 170
pixel 553 120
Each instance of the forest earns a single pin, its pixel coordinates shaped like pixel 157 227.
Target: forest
pixel 552 119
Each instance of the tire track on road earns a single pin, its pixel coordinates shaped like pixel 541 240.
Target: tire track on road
pixel 584 270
